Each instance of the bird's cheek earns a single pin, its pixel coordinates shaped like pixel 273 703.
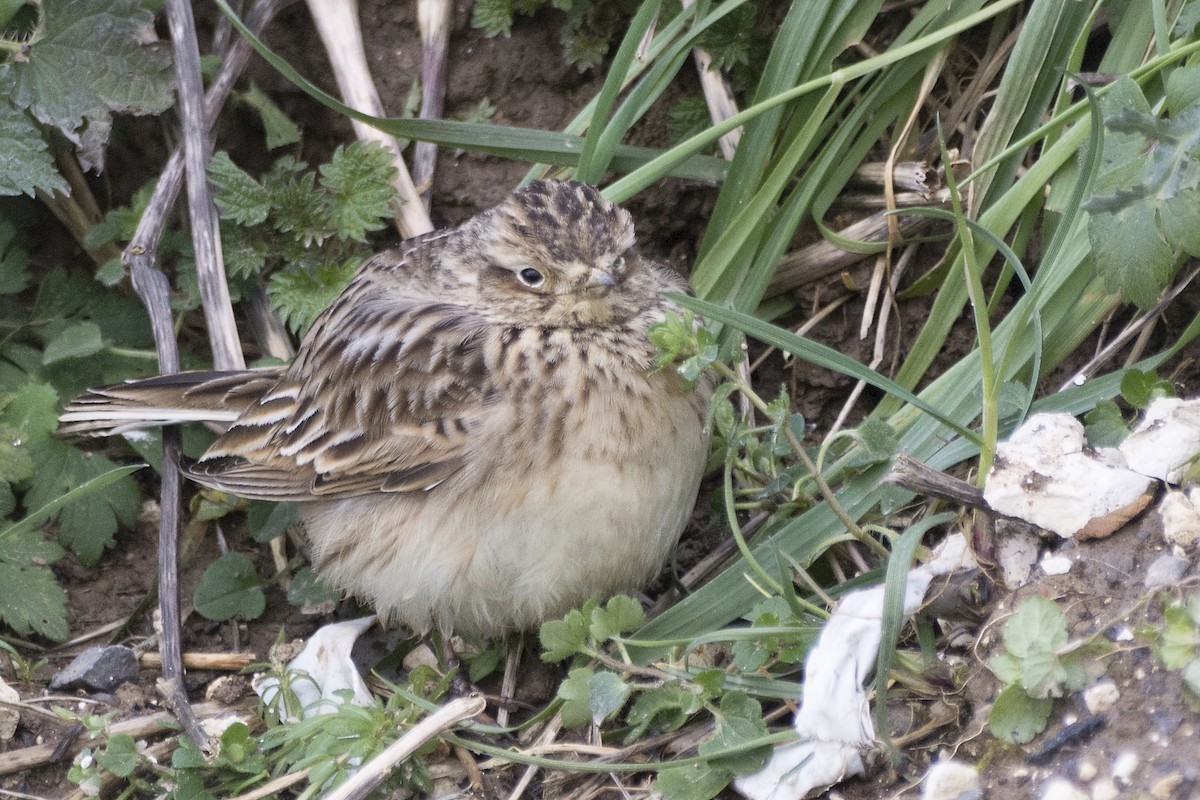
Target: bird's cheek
pixel 593 311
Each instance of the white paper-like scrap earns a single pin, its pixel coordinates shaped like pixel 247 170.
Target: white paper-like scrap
pixel 834 720
pixel 322 669
pixel 1167 438
pixel 1047 475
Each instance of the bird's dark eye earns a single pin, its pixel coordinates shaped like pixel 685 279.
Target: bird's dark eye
pixel 531 277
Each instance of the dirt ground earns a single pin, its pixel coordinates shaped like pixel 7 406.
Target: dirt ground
pixel 524 77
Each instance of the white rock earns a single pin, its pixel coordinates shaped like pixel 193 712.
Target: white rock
pixel 1016 554
pixel 1055 565
pixel 1105 789
pixel 1180 520
pixel 1045 475
pixel 1101 696
pixel 322 670
pixel 1060 789
pixel 9 717
pixel 950 780
pixel 1087 770
pixel 1167 438
pixel 1124 765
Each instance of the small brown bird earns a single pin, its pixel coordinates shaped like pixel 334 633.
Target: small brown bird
pixel 474 429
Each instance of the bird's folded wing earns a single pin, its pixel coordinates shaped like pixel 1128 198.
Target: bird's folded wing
pixel 386 402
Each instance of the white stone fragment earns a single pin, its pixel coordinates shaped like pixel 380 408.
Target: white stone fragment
pixel 1061 789
pixel 1055 565
pixel 1016 553
pixel 1105 789
pixel 950 780
pixel 1180 520
pixel 1101 696
pixel 834 720
pixel 9 717
pixel 1124 765
pixel 322 669
pixel 1046 475
pixel 1087 770
pixel 1167 438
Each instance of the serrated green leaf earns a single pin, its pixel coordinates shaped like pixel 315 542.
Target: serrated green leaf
pixel 692 782
pixel 1177 220
pixel 25 163
pixel 575 693
pixel 1016 717
pixel 1037 625
pixel 33 602
pixel 563 638
pixel 238 196
pixel 300 209
pixel 230 587
pixel 120 756
pixel 28 548
pixel 1006 667
pixel 16 464
pixel 621 614
pixel 278 127
pixel 86 525
pixel 1180 638
pixel 1042 673
pixel 14 261
pixel 710 681
pixel 493 17
pixel 738 721
pixel 1130 253
pixel 667 708
pixel 300 296
pixel 1183 88
pixel 78 340
pixel 359 179
pixel 88 61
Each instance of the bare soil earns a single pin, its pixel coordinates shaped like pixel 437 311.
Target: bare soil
pixel 525 78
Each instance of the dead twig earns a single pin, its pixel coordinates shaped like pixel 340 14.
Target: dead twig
pixel 433 17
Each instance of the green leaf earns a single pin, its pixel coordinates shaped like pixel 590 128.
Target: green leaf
pixel 1104 425
pixel 14 261
pixel 607 694
pixel 78 340
pixel 307 589
pixel 1183 86
pixel 359 177
pixel 575 693
pixel 25 162
pixel 739 720
pixel 230 587
pixel 1191 677
pixel 300 296
pixel 1037 625
pixel 33 602
pixel 268 520
pixel 1140 388
pixel 279 129
pixel 89 61
pixel 667 708
pixel 16 464
pixel 120 756
pixel 563 638
pixel 878 443
pixel 621 614
pixel 1016 717
pixel 692 782
pixel 494 17
pixel 1006 667
pixel 1042 672
pixel 238 196
pixel 1180 638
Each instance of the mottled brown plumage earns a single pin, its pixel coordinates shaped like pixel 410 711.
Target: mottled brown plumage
pixel 474 428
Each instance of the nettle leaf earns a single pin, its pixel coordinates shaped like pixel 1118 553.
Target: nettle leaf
pixel 300 295
pixel 238 196
pixel 88 61
pixel 300 210
pixel 359 179
pixel 25 163
pixel 33 602
pixel 494 17
pixel 88 525
pixel 230 588
pixel 1016 717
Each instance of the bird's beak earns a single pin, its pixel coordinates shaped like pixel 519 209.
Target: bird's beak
pixel 600 280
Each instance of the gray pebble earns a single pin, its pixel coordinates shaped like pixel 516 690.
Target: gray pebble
pixel 99 669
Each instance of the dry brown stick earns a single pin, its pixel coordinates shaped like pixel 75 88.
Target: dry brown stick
pixel 138 727
pixel 433 17
pixel 206 238
pixel 374 771
pixel 929 482
pixel 825 258
pixel 211 661
pixel 154 289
